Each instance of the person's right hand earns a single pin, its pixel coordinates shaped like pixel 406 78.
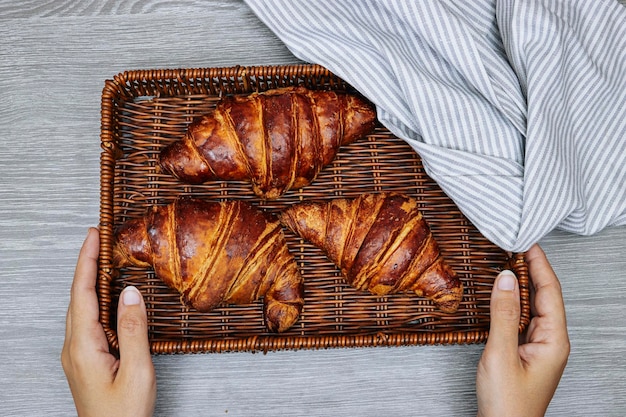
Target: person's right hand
pixel 518 376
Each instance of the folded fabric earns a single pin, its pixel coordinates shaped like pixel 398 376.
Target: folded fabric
pixel 517 108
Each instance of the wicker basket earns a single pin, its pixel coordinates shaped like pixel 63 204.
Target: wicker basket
pixel 143 111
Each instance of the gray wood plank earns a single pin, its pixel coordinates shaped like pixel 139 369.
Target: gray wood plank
pixel 54 58
pixel 64 8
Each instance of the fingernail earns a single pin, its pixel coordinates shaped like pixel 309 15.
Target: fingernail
pixel 506 280
pixel 88 233
pixel 131 296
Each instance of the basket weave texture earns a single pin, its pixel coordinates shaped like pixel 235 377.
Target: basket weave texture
pixel 144 111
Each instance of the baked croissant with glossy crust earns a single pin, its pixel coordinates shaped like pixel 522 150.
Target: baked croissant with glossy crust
pixel 214 253
pixel 381 243
pixel 278 140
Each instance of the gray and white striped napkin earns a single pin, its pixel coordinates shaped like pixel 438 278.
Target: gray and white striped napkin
pixel 517 108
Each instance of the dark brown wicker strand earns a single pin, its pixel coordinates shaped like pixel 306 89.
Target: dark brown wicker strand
pixel 143 111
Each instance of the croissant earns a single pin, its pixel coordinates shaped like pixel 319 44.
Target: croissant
pixel 381 243
pixel 278 140
pixel 214 253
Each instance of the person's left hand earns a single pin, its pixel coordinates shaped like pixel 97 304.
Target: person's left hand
pixel 101 384
pixel 517 376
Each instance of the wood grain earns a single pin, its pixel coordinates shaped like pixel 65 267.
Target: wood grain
pixel 65 8
pixel 54 58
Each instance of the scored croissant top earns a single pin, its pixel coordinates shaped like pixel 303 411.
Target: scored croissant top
pixel 216 252
pixel 381 243
pixel 278 139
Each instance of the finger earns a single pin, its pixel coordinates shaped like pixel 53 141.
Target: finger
pixel 66 342
pixel 548 326
pixel 132 332
pixel 83 299
pixel 548 297
pixel 83 332
pixel 505 315
pixel 85 328
pixel 68 325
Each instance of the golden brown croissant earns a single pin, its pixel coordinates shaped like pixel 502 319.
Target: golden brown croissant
pixel 214 253
pixel 278 140
pixel 381 243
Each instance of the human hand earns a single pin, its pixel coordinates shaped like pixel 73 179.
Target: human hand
pixel 101 384
pixel 518 375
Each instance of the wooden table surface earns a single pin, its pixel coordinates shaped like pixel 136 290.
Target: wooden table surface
pixel 54 58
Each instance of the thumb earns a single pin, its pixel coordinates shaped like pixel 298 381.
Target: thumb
pixel 503 337
pixel 132 332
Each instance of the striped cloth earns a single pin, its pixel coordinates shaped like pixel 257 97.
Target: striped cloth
pixel 517 108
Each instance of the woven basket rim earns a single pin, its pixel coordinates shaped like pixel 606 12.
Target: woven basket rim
pixel 135 86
